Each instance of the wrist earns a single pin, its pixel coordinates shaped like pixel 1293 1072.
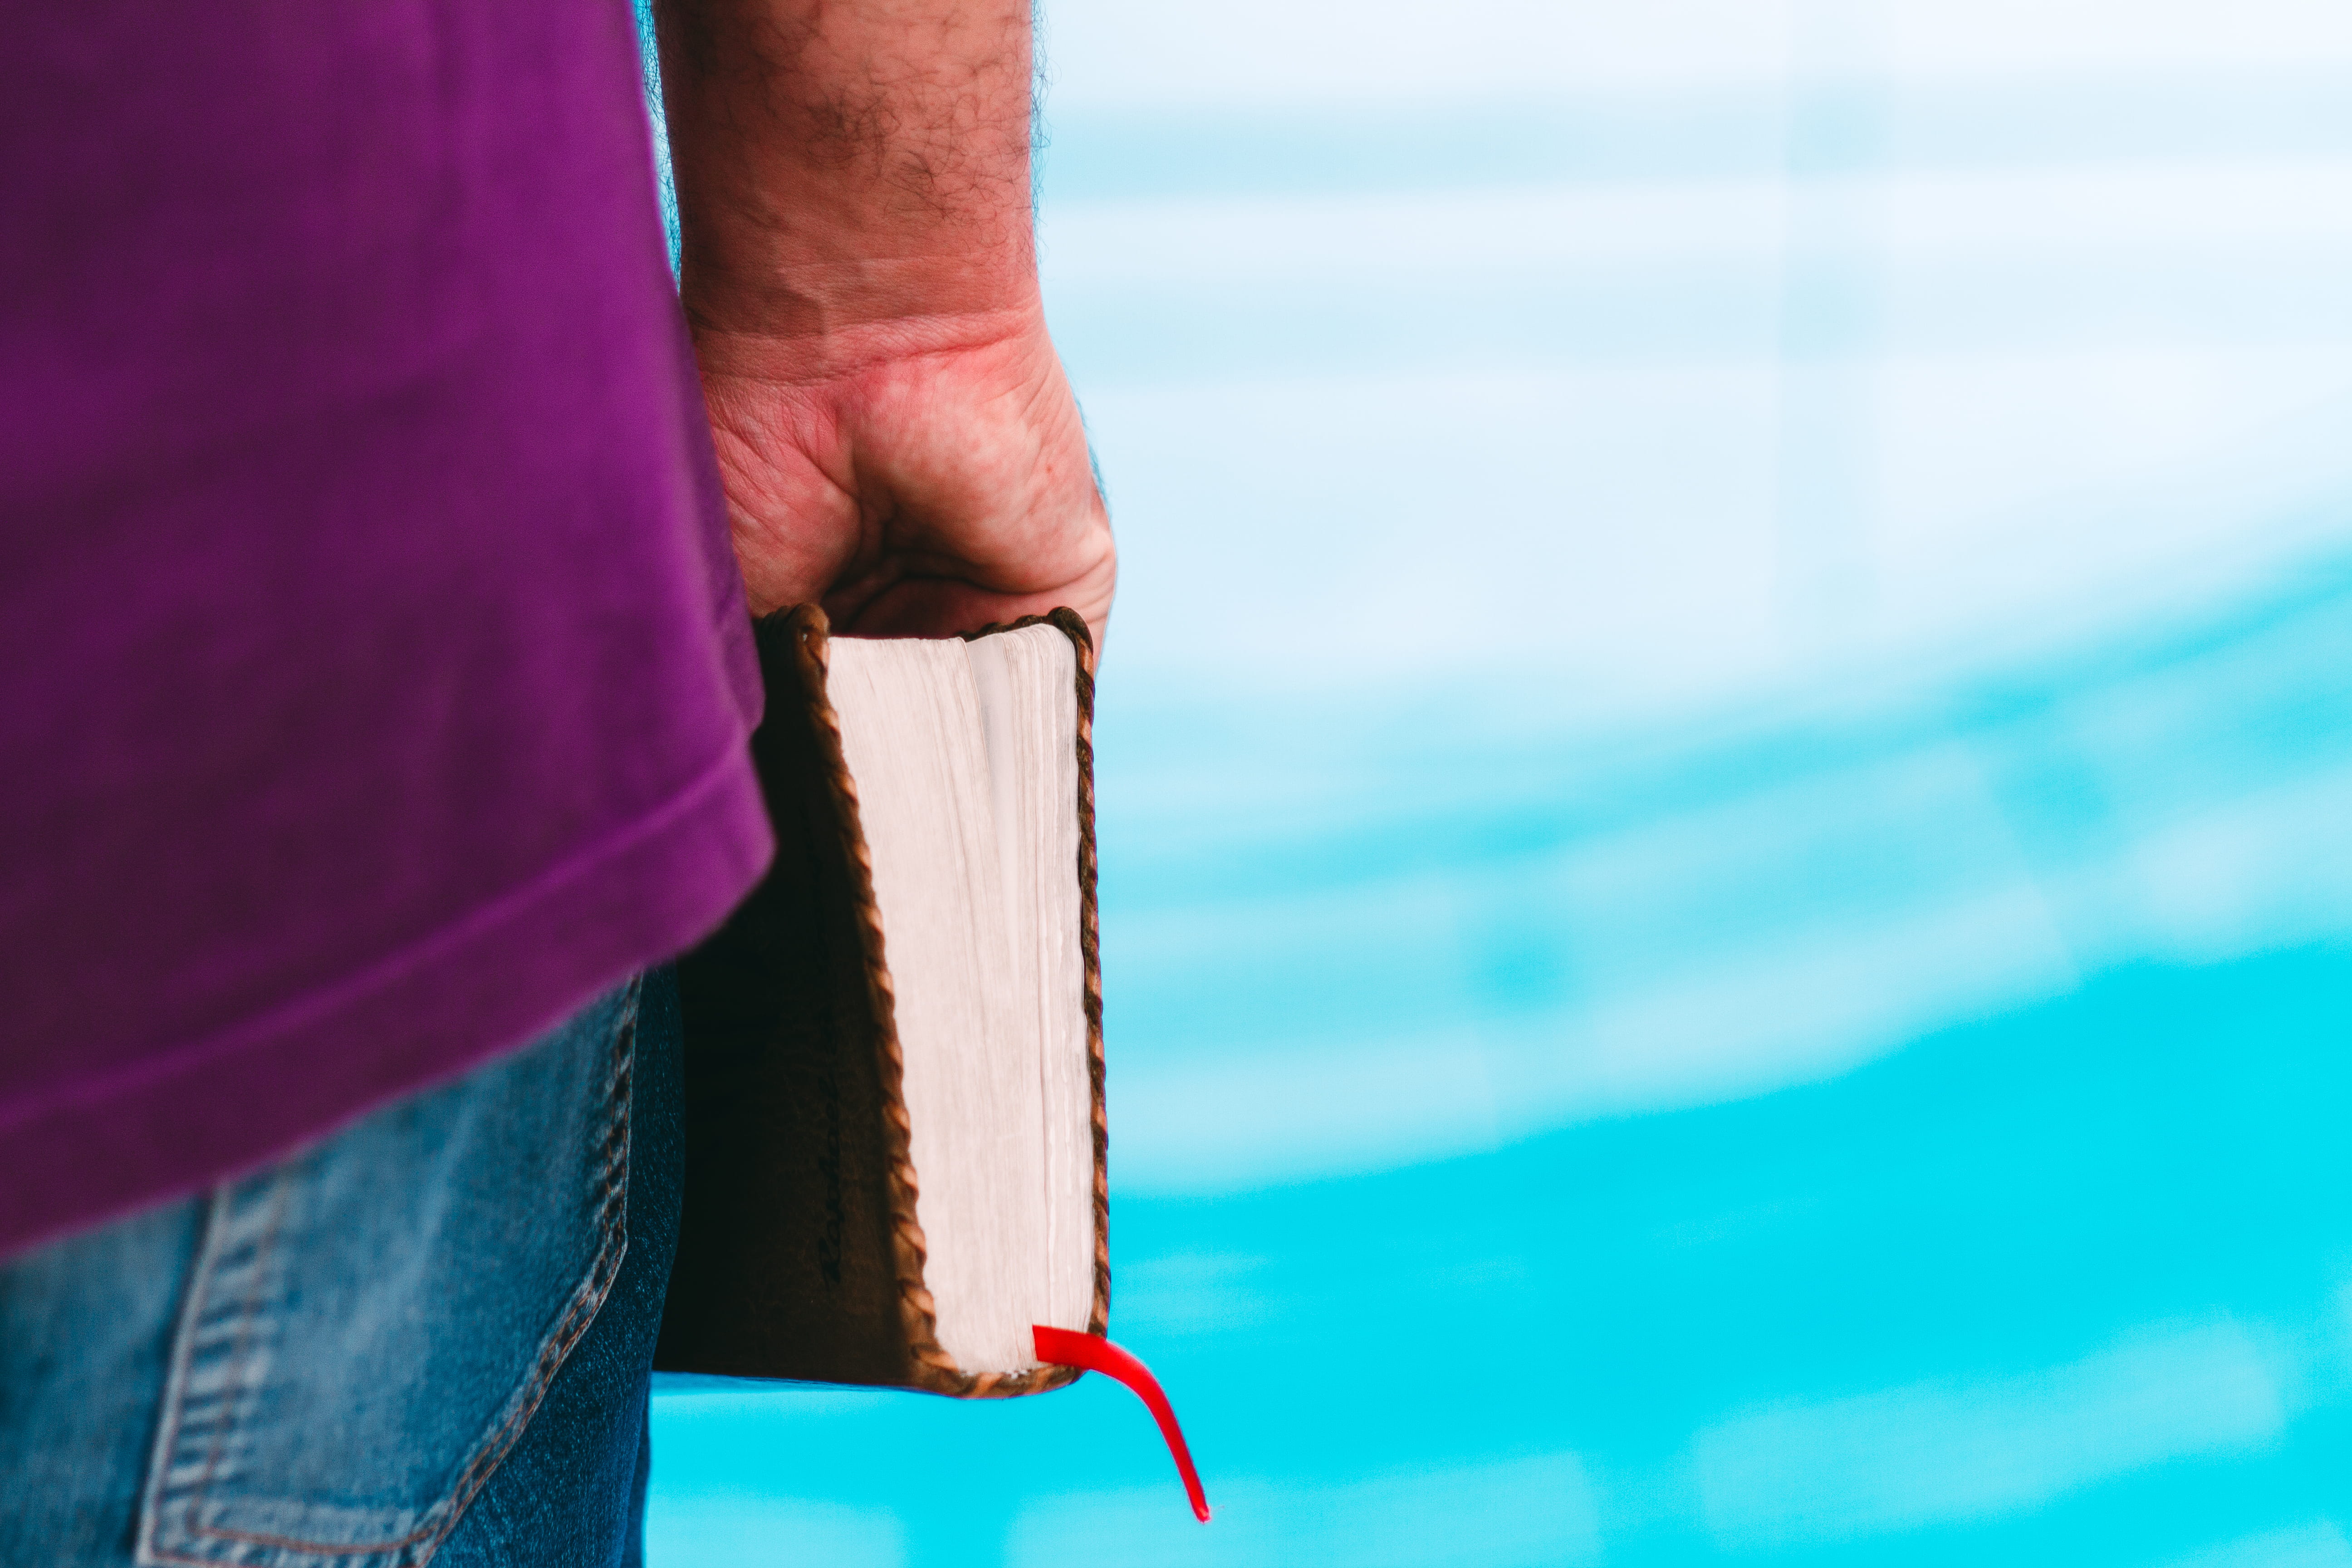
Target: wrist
pixel 817 334
pixel 803 288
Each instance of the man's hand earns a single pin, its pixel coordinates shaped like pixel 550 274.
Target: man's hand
pixel 930 486
pixel 896 437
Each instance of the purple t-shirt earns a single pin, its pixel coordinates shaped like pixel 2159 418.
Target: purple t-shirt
pixel 374 671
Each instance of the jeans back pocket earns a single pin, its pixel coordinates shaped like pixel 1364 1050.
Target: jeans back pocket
pixel 371 1323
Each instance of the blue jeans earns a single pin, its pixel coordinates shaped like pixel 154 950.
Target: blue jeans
pixel 427 1338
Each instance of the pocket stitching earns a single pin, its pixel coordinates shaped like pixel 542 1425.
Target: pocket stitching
pixel 579 1313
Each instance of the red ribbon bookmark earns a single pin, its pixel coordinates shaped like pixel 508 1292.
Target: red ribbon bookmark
pixel 1060 1347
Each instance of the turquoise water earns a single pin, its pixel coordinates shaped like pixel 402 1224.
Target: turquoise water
pixel 1727 924
pixel 1997 1299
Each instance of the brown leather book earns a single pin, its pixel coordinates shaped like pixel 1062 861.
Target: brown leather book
pixel 895 1134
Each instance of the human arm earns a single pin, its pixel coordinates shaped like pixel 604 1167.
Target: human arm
pixel 896 437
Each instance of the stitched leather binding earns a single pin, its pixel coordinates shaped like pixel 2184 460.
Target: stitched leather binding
pixel 799 1253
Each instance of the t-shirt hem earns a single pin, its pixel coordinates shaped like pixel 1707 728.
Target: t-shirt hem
pixel 497 978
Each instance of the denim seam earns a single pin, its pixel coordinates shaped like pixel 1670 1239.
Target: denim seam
pixel 240 1359
pixel 587 1298
pixel 184 1340
pixel 592 1290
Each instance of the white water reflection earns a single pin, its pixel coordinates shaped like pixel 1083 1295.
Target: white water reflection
pixel 1908 1457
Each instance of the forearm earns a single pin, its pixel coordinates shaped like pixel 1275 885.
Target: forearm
pixel 896 437
pixel 853 176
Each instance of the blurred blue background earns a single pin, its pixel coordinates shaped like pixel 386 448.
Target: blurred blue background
pixel 1726 899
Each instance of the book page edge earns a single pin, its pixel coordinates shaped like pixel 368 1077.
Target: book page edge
pixel 1073 626
pixel 931 1368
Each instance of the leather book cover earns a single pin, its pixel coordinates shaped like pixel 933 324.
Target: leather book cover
pixel 799 1251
